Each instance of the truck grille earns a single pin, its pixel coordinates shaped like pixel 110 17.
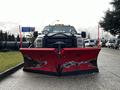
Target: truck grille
pixel 51 42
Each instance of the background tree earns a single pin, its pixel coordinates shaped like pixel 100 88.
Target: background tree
pixel 1 38
pixel 18 38
pixel 9 38
pixel 5 38
pixel 111 20
pixel 23 39
pixel 1 35
pixel 12 37
pixel 5 35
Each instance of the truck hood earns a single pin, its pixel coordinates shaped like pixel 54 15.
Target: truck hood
pixel 59 34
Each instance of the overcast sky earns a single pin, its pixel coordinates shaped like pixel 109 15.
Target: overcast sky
pixel 80 13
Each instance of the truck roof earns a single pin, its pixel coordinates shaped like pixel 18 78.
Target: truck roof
pixel 59 28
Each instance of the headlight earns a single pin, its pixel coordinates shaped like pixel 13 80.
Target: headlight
pixel 80 42
pixel 38 42
pixel 72 32
pixel 46 32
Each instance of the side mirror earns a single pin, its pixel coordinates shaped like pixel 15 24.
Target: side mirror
pixel 35 34
pixel 83 34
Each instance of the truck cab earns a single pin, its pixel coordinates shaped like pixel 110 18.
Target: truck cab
pixel 57 35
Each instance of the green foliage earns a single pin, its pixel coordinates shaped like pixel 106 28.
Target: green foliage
pixel 13 37
pixel 4 36
pixel 9 37
pixel 111 20
pixel 18 38
pixel 23 39
pixel 1 35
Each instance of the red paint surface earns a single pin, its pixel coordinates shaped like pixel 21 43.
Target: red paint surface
pixel 67 55
pixel 43 54
pixel 78 55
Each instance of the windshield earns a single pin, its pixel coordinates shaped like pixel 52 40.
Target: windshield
pixel 59 29
pixel 91 40
pixel 86 41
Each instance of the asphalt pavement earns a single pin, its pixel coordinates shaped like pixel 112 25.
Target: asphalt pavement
pixel 107 79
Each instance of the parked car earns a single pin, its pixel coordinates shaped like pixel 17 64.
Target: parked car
pixel 116 45
pixel 110 43
pixel 103 43
pixel 90 42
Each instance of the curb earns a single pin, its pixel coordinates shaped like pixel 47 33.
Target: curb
pixel 10 71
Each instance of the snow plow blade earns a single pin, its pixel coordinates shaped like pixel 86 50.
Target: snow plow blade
pixel 68 62
pixel 79 60
pixel 43 60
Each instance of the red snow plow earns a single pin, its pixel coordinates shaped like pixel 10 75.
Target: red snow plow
pixel 70 61
pixel 60 54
